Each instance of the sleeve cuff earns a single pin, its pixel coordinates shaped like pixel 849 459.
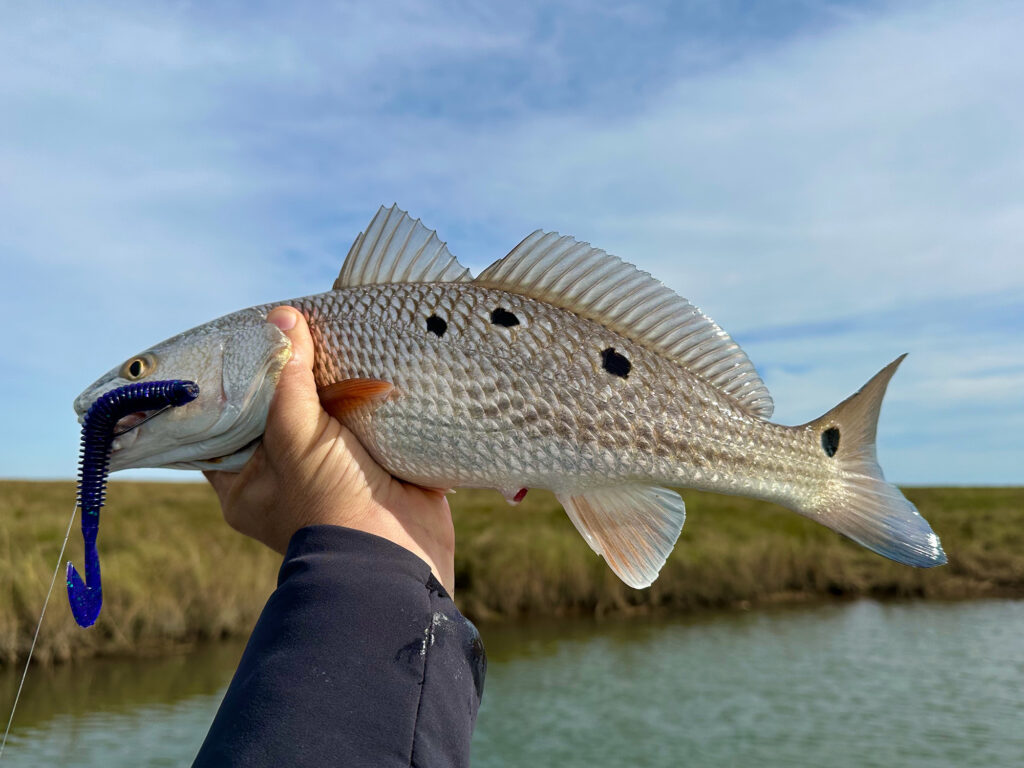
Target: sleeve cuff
pixel 357 547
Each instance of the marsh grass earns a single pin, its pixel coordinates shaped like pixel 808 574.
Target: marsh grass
pixel 174 574
pixel 732 552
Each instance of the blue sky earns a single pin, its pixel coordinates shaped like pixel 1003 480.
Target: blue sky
pixel 835 183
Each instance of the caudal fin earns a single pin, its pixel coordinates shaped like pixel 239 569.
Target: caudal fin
pixel 857 502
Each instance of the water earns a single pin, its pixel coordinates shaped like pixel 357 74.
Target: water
pixel 855 684
pixel 108 713
pixel 862 684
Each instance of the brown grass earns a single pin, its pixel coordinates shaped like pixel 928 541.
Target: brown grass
pixel 174 574
pixel 733 551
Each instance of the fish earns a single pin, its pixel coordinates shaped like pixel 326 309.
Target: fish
pixel 559 366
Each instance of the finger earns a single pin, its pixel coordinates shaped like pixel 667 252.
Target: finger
pixel 295 410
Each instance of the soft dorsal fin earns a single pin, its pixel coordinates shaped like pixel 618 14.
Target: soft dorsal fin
pixel 395 248
pixel 633 527
pixel 586 280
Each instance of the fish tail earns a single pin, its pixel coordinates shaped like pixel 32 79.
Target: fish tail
pixel 856 501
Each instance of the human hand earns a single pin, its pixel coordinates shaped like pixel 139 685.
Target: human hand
pixel 311 470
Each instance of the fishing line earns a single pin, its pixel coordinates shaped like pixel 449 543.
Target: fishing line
pixel 98 431
pixel 39 624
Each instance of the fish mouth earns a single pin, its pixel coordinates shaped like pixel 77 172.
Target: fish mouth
pixel 125 432
pixel 127 423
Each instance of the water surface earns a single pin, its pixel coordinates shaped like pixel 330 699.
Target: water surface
pixel 854 684
pixel 860 684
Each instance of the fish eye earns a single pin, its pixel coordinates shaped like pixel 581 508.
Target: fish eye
pixel 137 367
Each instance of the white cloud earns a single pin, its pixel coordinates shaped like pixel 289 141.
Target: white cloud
pixel 164 165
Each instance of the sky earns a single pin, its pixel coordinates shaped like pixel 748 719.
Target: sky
pixel 835 183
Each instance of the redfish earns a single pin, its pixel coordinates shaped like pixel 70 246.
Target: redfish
pixel 559 367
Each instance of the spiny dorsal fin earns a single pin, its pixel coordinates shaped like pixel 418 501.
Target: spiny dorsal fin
pixel 633 527
pixel 586 280
pixel 395 248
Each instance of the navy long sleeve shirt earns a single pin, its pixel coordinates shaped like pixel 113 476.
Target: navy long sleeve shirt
pixel 360 658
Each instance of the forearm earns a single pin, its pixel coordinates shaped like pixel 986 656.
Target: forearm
pixel 359 658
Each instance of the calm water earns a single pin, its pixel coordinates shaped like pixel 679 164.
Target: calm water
pixel 859 684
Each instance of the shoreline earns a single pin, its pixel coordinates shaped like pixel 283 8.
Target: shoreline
pixel 176 576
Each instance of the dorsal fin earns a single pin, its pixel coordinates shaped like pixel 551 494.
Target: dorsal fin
pixel 586 280
pixel 395 248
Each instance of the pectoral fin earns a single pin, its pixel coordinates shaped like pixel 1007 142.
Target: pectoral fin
pixel 343 397
pixel 633 527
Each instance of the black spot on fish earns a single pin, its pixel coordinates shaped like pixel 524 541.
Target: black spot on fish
pixel 436 325
pixel 830 441
pixel 614 363
pixel 503 317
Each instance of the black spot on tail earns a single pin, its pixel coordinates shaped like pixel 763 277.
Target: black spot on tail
pixel 614 363
pixel 503 317
pixel 830 441
pixel 436 325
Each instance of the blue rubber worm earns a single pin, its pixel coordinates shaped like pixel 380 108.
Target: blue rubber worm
pixel 86 597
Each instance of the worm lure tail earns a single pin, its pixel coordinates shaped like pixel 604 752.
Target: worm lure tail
pixel 86 596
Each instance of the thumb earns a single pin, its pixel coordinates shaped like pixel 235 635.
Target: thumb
pixel 295 408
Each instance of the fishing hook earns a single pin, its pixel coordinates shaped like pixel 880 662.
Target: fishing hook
pixel 142 421
pixel 86 596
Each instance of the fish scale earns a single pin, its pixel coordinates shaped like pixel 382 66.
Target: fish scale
pixel 571 424
pixel 558 367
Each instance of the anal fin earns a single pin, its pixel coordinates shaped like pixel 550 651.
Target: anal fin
pixel 633 527
pixel 342 397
